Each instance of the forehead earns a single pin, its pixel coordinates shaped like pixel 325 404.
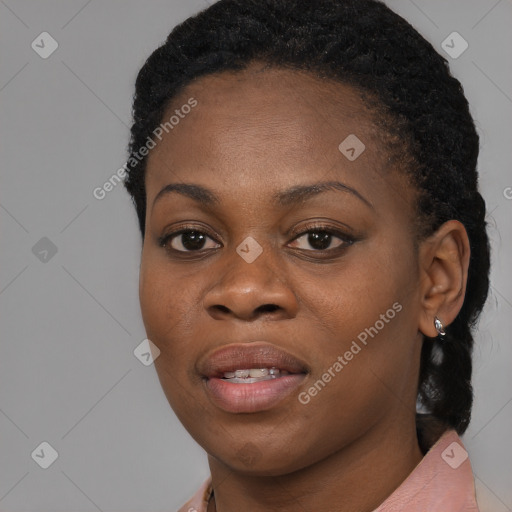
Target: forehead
pixel 267 128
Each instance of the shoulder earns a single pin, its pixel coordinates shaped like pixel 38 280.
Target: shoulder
pixel 199 502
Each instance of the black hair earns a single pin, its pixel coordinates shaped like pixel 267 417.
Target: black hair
pixel 419 105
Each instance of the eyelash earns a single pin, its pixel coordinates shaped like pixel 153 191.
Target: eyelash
pixel 313 228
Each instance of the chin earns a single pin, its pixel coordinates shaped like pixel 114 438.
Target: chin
pixel 251 460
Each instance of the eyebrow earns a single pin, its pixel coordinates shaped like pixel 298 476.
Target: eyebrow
pixel 287 197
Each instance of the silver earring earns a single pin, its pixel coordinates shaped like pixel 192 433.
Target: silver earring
pixel 439 327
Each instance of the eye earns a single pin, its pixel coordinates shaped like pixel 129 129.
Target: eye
pixel 320 240
pixel 315 239
pixel 188 240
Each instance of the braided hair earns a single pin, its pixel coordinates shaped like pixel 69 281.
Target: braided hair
pixel 419 107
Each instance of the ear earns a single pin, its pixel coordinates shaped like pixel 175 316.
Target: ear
pixel 444 263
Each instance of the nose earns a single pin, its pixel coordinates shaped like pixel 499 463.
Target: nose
pixel 248 291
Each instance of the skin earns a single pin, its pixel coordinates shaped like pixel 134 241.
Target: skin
pixel 253 134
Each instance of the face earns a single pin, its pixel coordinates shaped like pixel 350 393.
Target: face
pixel 270 249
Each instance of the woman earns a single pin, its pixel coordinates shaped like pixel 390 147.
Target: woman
pixel 314 255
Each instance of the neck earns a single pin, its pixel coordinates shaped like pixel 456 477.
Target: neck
pixel 356 478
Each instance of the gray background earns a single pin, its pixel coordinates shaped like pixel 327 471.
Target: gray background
pixel 70 323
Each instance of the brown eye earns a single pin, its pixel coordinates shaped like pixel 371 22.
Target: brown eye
pixel 190 240
pixel 318 241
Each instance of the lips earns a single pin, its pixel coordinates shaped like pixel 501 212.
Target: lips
pixel 249 355
pixel 249 395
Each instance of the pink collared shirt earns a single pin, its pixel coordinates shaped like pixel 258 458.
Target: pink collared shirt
pixel 441 482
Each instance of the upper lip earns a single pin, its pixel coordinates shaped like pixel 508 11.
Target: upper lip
pixel 240 356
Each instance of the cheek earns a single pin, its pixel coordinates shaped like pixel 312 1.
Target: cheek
pixel 364 314
pixel 345 301
pixel 169 303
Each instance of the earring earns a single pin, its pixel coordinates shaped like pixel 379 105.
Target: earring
pixel 439 327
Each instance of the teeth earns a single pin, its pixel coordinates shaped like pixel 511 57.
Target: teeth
pixel 254 374
pixel 249 380
pixel 258 373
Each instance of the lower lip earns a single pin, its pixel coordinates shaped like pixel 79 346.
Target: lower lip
pixel 254 397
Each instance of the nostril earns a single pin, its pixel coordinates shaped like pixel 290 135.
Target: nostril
pixel 221 308
pixel 220 311
pixel 267 308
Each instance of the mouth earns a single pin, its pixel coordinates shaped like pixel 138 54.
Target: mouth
pixel 250 377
